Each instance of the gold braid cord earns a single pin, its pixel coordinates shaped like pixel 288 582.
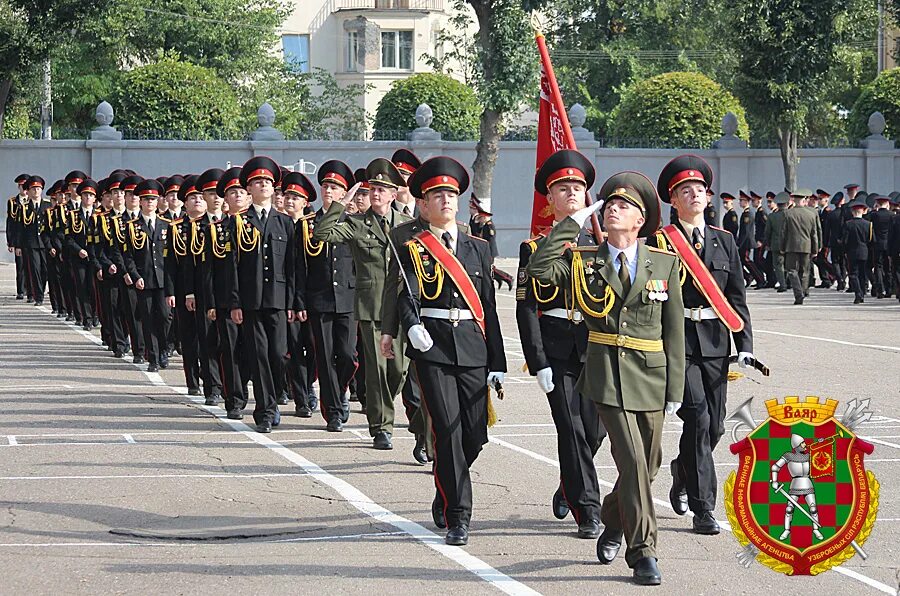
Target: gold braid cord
pixel 179 245
pixel 776 565
pixel 77 224
pixel 580 291
pixel 247 236
pixel 138 237
pixel 313 249
pixel 198 240
pixel 218 249
pixel 120 230
pixel 422 277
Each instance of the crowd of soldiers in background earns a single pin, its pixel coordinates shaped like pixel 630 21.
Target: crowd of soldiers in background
pixel 849 241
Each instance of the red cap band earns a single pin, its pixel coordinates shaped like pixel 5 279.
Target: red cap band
pixel 129 187
pixel 150 192
pixel 75 181
pixel 261 173
pixel 684 176
pixel 565 174
pixel 191 190
pixel 440 182
pixel 232 183
pixel 405 167
pixel 335 177
pixel 36 183
pixel 115 186
pixel 296 188
pixel 211 185
pixel 173 188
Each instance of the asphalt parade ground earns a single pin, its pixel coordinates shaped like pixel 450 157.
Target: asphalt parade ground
pixel 113 480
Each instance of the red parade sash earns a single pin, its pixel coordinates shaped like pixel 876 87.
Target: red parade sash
pixel 705 282
pixel 456 272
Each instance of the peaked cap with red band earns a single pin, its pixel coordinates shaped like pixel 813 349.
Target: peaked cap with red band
pixel 565 164
pixel 188 187
pixel 360 176
pixel 22 178
pixel 438 173
pixel 131 182
pixel 149 188
pixel 209 180
pixel 230 179
pixel 87 185
pixel 114 180
pixel 684 168
pixel 173 183
pixel 261 167
pixel 335 172
pixel 75 177
pixel 299 184
pixel 35 181
pixel 406 161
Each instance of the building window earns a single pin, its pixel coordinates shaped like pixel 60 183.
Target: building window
pixel 296 51
pixel 397 50
pixel 351 51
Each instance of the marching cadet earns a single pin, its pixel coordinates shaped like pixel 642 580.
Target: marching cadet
pixel 730 217
pixel 132 212
pixel 214 292
pixel 746 241
pixel 881 219
pixel 68 259
pixel 710 216
pixel 300 362
pixel 481 225
pixel 407 162
pixel 894 243
pixel 775 239
pixel 55 238
pixel 174 205
pixel 99 243
pixel 13 211
pixel 802 240
pixel 858 235
pixel 630 296
pixel 262 295
pixel 145 265
pixel 833 230
pixel 328 289
pixel 33 220
pixel 759 239
pixel 107 272
pixel 183 248
pixel 53 251
pixel 448 311
pixel 367 236
pixel 360 204
pixel 715 311
pixel 79 232
pixel 172 208
pixel 554 342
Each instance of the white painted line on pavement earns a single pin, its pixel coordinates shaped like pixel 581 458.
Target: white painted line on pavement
pixel 350 493
pixel 840 569
pixel 880 442
pixel 150 476
pixel 12 441
pixel 190 544
pixel 829 340
pixel 128 438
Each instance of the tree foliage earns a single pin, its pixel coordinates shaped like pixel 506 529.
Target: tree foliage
pixel 455 106
pixel 178 97
pixel 881 95
pixel 676 109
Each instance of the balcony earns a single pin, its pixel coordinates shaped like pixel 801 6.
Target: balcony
pixel 425 5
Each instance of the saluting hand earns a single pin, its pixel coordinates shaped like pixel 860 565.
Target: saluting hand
pixel 350 194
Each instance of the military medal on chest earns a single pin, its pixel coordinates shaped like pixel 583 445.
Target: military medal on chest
pixel 659 289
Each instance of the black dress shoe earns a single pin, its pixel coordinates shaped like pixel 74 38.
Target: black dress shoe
pixel 608 546
pixel 153 368
pixel 303 412
pixel 164 363
pixel 138 360
pixel 457 535
pixel 88 327
pixel 706 524
pixel 264 427
pixel 798 301
pixel 382 441
pixel 277 420
pixel 437 512
pixel 646 573
pixel 335 425
pixel 858 301
pixel 194 391
pixel 234 415
pixel 677 494
pixel 20 297
pixel 589 528
pixel 117 354
pixel 282 399
pixel 419 453
pixel 210 399
pixel 781 290
pixel 345 416
pixel 560 505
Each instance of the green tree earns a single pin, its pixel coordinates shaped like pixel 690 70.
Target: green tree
pixel 787 48
pixel 455 106
pixel 181 98
pixel 676 109
pixel 881 95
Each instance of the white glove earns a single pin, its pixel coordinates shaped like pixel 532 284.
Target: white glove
pixel 420 338
pixel 495 377
pixel 582 215
pixel 744 359
pixel 672 407
pixel 545 379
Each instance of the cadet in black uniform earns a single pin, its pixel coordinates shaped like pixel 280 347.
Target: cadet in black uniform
pixel 894 244
pixel 145 262
pixel 31 241
pixel 262 295
pixel 730 217
pixel 455 337
pixel 108 272
pixel 13 210
pixel 132 212
pixel 554 341
pixel 858 235
pixel 881 227
pixel 683 182
pixel 78 239
pixel 759 237
pixel 746 240
pixel 481 225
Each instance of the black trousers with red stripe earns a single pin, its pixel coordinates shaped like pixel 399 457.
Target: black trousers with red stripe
pixel 456 398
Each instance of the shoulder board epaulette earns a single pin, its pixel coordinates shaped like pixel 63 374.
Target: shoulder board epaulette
pixel 535 239
pixel 405 223
pixel 720 229
pixel 662 250
pixel 584 248
pixel 176 221
pixel 244 210
pixel 114 215
pixel 463 227
pixel 476 238
pixel 165 219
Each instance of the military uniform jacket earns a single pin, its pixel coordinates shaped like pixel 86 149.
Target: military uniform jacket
pixel 144 251
pixel 463 344
pixel 834 223
pixel 326 280
pixel 710 338
pixel 33 224
pixel 13 214
pixel 759 225
pixel 263 258
pixel 119 227
pixel 561 339
pixel 894 239
pixel 80 234
pixel 181 244
pixel 802 230
pixel 858 235
pixel 775 231
pixel 730 222
pixel 745 234
pixel 881 227
pixel 486 231
pixel 399 236
pixel 368 244
pixel 631 379
pixel 214 271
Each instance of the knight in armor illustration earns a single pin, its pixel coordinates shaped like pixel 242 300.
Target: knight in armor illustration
pixel 797 461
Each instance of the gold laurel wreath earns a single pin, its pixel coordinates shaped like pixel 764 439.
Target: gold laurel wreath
pixel 818 568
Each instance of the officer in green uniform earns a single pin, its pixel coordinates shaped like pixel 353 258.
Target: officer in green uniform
pixel 775 238
pixel 630 296
pixel 802 241
pixel 367 236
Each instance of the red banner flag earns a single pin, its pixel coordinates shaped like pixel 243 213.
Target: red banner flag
pixel 821 459
pixel 554 133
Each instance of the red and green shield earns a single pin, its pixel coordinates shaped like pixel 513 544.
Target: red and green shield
pixel 842 489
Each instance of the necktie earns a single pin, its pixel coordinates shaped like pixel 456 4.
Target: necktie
pixel 697 240
pixel 624 276
pixel 262 217
pixel 150 225
pixel 448 241
pixel 385 226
